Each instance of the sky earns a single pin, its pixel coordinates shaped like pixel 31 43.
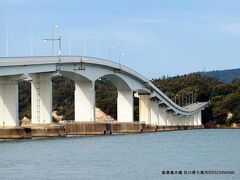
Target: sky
pixel 158 37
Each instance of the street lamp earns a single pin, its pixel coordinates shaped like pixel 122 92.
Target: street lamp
pixel 59 43
pixel 53 28
pixel 119 58
pixel 176 99
pixel 192 97
pixel 109 52
pixel 195 96
pixel 182 99
pixel 58 68
pixel 189 98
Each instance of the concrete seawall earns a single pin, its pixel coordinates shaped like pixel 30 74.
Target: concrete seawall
pixel 15 133
pixel 83 129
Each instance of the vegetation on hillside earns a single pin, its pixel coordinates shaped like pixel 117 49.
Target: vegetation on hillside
pixel 224 99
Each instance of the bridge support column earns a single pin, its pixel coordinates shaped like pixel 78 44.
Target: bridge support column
pixel 162 116
pixel 169 118
pixel 192 120
pixel 186 120
pixel 84 101
pixel 154 112
pixel 189 123
pixel 125 105
pixel 144 112
pixel 180 120
pixel 195 119
pixel 175 120
pixel 8 101
pixel 198 118
pixel 183 120
pixel 41 89
pixel 148 110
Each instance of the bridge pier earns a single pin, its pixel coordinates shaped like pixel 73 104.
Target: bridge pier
pixel 198 118
pixel 169 119
pixel 192 120
pixel 144 113
pixel 8 101
pixel 175 120
pixel 162 116
pixel 84 100
pixel 41 90
pixel 154 112
pixel 148 110
pixel 125 105
pixel 182 120
pixel 189 120
pixel 186 121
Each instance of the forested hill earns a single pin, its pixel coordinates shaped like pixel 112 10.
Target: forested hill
pixel 224 99
pixel 225 76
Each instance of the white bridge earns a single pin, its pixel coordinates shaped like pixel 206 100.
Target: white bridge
pixel 154 106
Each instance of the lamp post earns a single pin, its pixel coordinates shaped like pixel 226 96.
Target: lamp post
pixel 59 43
pixel 58 67
pixel 176 99
pixel 182 99
pixel 192 97
pixel 32 34
pixel 195 96
pixel 53 28
pixel 189 98
pixel 119 58
pixel 7 43
pixel 109 52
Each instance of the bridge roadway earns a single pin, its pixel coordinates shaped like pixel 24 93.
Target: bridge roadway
pixel 155 108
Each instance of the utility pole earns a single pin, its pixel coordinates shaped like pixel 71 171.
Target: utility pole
pixel 7 38
pixel 58 68
pixel 53 28
pixel 32 39
pixel 109 52
pixel 69 44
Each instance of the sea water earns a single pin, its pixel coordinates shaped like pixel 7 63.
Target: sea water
pixel 190 154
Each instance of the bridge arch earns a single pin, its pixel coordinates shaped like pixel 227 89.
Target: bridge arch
pixel 63 104
pixel 84 96
pixel 124 99
pixel 117 81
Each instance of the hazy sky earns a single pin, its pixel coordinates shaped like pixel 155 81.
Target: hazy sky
pixel 158 37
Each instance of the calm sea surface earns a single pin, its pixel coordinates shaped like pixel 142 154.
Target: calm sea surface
pixel 135 156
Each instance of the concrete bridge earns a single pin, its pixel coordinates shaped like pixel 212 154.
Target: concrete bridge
pixel 154 106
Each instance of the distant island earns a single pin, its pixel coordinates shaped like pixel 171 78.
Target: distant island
pixel 221 88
